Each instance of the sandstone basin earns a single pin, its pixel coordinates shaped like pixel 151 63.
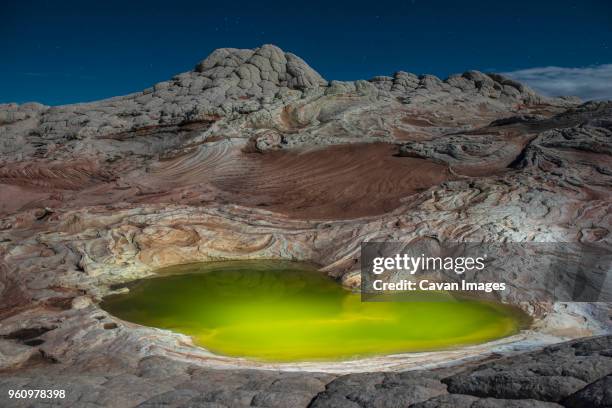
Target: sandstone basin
pixel 253 155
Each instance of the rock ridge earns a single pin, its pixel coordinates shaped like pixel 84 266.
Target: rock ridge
pixel 263 88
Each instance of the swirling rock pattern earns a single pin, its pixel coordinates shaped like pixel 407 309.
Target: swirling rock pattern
pixel 254 155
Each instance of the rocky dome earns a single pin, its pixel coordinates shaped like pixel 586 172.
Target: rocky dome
pixel 262 68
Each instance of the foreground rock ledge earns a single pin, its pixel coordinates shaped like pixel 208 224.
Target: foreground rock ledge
pixel 573 374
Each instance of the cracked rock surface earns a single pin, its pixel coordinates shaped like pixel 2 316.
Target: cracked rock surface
pixel 536 379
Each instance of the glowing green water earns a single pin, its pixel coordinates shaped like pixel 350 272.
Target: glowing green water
pixel 285 312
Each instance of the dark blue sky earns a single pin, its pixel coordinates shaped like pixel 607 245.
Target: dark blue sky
pixel 65 52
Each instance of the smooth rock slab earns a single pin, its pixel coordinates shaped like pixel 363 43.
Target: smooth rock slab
pixel 379 390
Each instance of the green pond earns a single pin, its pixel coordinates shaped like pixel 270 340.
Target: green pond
pixel 282 311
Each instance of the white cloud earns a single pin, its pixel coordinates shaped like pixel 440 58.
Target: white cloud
pixel 594 82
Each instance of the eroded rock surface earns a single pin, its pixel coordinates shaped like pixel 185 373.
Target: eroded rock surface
pixel 255 155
